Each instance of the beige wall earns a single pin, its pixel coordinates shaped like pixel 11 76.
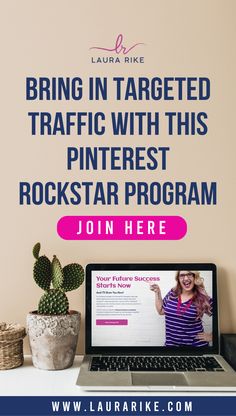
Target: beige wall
pixel 52 38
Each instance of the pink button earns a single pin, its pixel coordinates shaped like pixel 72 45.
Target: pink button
pixel 111 321
pixel 121 227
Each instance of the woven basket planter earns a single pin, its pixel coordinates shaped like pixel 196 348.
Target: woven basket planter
pixel 11 345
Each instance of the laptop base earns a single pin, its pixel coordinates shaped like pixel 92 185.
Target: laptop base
pixel 156 381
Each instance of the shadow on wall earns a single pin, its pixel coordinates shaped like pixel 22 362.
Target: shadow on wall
pixel 224 299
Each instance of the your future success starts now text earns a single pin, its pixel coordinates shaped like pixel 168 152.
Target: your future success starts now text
pixel 105 124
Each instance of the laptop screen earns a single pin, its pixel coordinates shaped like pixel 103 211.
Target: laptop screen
pixel 166 307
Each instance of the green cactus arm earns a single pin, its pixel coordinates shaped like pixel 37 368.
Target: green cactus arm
pixel 36 250
pixel 42 272
pixel 53 302
pixel 73 276
pixel 57 273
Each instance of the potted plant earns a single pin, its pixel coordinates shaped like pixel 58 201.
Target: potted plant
pixel 53 329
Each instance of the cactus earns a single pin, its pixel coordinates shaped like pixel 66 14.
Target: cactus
pixel 42 272
pixel 53 302
pixel 57 274
pixel 36 250
pixel 73 276
pixel 55 281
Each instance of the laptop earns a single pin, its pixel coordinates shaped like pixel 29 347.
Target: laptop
pixel 153 327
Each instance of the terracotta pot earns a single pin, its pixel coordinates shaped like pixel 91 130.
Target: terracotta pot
pixel 53 339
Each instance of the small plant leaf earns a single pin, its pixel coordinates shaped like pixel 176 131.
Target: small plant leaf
pixel 73 276
pixel 57 273
pixel 42 272
pixel 36 250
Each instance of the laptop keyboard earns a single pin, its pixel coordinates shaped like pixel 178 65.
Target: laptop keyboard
pixel 149 363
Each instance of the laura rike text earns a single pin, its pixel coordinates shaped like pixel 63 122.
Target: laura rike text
pixel 112 193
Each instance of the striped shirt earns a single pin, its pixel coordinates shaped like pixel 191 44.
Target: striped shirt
pixel 182 326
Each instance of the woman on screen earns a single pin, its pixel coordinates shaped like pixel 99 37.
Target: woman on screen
pixel 184 307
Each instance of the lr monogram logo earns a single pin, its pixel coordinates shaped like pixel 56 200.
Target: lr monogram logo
pixel 118 48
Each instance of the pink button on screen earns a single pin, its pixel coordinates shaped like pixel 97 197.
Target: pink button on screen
pixel 111 321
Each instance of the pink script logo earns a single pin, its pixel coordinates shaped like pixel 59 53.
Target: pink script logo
pixel 119 47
